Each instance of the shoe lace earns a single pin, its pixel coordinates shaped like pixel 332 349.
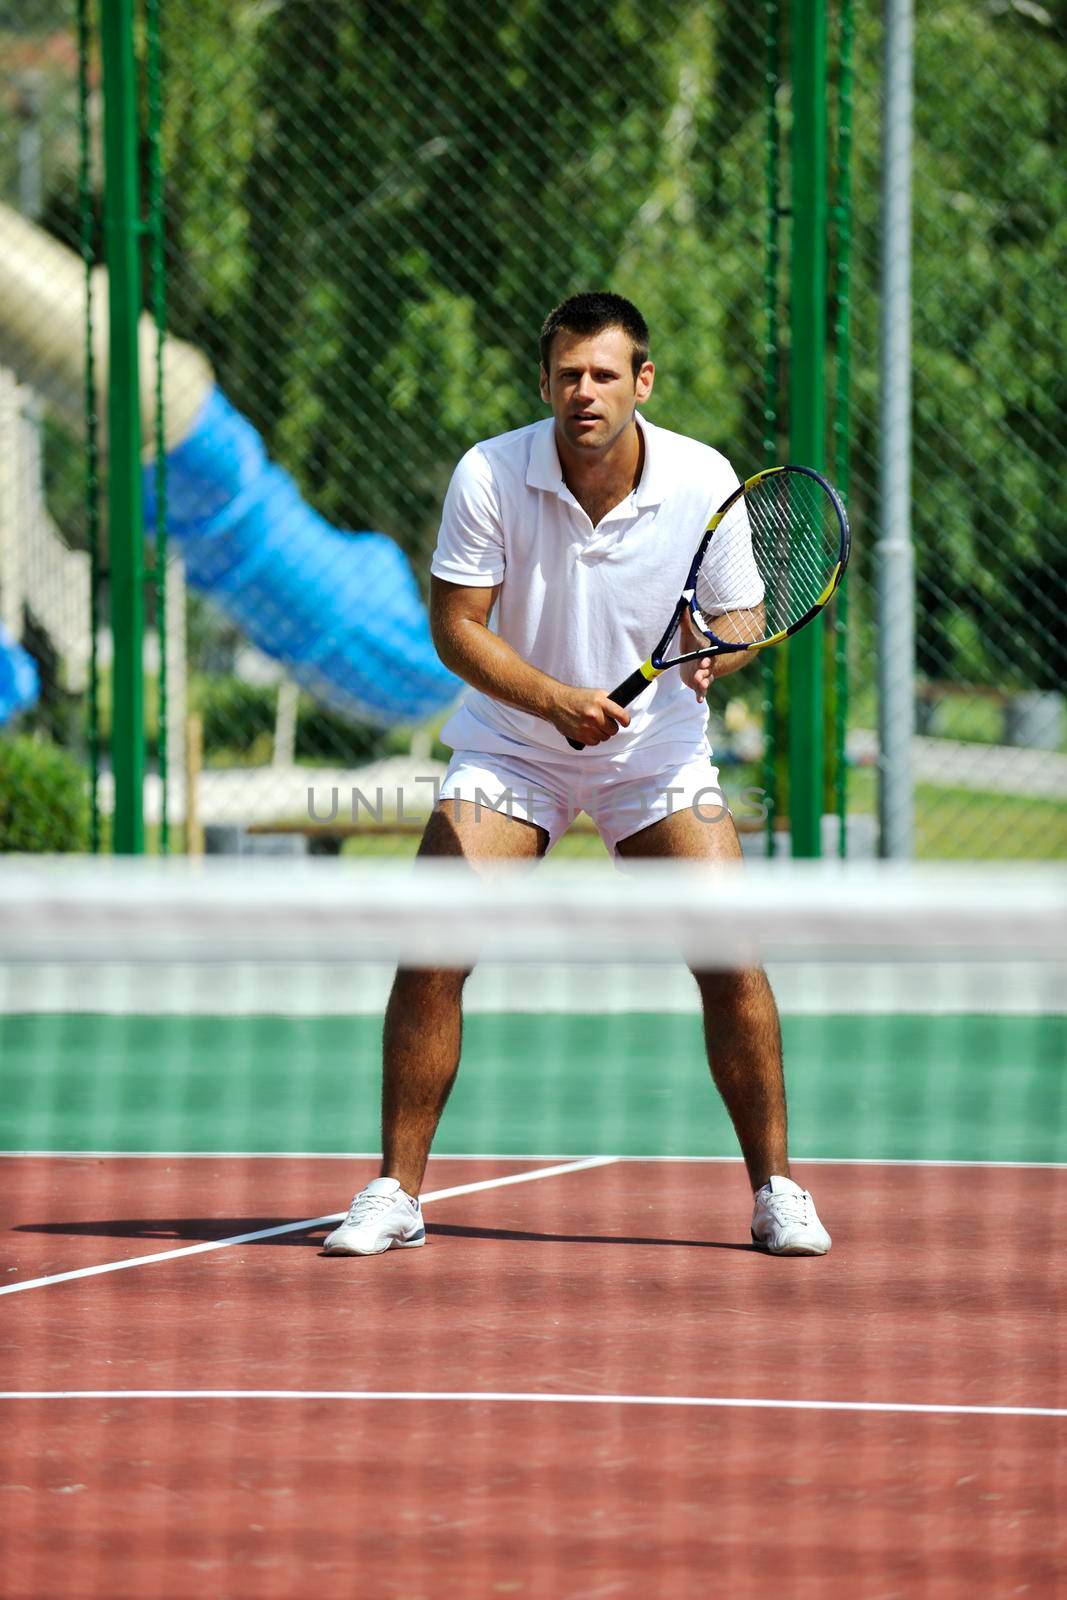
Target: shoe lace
pixel 794 1208
pixel 365 1206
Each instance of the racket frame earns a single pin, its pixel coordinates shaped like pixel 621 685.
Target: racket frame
pixel 659 661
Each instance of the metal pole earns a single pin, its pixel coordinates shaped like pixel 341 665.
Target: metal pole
pixel 773 675
pixel 807 397
pixel 894 555
pixel 125 505
pixel 837 660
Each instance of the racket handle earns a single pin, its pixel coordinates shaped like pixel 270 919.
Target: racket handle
pixel 630 688
pixel 627 691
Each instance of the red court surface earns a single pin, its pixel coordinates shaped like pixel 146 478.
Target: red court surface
pixel 627 1333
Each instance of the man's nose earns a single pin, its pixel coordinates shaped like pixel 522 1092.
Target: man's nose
pixel 586 387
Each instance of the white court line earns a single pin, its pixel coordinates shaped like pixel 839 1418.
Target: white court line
pixel 295 1227
pixel 551 1155
pixel 716 1402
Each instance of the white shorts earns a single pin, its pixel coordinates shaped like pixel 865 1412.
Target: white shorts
pixel 551 794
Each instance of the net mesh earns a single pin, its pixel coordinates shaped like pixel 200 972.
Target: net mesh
pixel 590 1382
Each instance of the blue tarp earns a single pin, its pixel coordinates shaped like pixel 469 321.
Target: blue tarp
pixel 19 683
pixel 341 611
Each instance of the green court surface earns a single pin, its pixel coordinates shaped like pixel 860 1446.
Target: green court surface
pixel 938 1088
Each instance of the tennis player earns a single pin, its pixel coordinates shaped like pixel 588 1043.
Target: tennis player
pixel 562 548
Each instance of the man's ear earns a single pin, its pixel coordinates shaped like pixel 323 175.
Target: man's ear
pixel 544 386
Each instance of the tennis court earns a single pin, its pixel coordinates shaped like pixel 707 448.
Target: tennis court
pixel 353 358
pixel 591 1384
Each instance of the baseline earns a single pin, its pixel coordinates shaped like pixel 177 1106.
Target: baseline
pixel 207 1245
pixel 497 1397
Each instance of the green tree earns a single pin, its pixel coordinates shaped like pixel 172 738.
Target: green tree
pixel 403 190
pixel 990 407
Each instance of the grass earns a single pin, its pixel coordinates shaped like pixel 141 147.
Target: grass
pixel 951 825
pixel 969 825
pixel 966 715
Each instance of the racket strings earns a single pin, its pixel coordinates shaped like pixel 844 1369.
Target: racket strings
pixel 769 560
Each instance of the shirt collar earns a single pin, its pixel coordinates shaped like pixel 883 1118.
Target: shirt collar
pixel 651 491
pixel 545 472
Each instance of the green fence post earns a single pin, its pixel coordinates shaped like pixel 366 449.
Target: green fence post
pixel 774 789
pixel 807 403
pixel 125 506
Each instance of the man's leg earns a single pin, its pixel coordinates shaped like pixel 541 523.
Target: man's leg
pixel 423 1021
pixel 423 1024
pixel 741 1028
pixel 744 1045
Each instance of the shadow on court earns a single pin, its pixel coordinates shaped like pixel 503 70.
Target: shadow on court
pixel 176 1230
pixel 457 1231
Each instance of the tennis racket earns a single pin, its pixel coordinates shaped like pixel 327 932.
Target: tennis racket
pixel 767 563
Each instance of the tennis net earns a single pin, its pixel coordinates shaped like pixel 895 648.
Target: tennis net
pixel 591 1383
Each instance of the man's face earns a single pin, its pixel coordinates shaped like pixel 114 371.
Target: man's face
pixel 592 389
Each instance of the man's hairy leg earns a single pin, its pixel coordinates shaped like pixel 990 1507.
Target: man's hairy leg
pixel 743 1040
pixel 424 1017
pixel 742 1033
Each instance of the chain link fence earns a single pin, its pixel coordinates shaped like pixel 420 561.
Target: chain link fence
pixel 369 211
pixel 989 526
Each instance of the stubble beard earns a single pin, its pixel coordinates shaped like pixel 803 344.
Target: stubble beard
pixel 592 442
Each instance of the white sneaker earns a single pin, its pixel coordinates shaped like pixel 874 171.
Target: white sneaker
pixel 381 1217
pixel 785 1221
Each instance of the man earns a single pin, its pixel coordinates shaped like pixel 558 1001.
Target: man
pixel 579 530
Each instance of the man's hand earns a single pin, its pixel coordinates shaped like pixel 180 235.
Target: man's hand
pixel 696 675
pixel 588 715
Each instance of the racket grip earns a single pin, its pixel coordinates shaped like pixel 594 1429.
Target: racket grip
pixel 630 688
pixel 627 691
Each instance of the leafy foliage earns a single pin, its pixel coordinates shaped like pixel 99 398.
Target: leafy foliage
pixel 375 205
pixel 44 803
pixel 407 189
pixel 371 206
pixel 988 326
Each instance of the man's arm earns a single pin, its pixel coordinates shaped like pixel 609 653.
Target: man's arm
pixel 459 621
pixel 699 675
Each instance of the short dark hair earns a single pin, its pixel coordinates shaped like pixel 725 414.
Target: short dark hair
pixel 592 313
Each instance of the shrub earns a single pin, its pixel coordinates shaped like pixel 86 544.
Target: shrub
pixel 44 797
pixel 235 714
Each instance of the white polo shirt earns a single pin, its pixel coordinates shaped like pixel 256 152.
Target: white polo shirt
pixel 586 605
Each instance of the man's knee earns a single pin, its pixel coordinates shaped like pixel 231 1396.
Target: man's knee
pixel 732 988
pixel 425 986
